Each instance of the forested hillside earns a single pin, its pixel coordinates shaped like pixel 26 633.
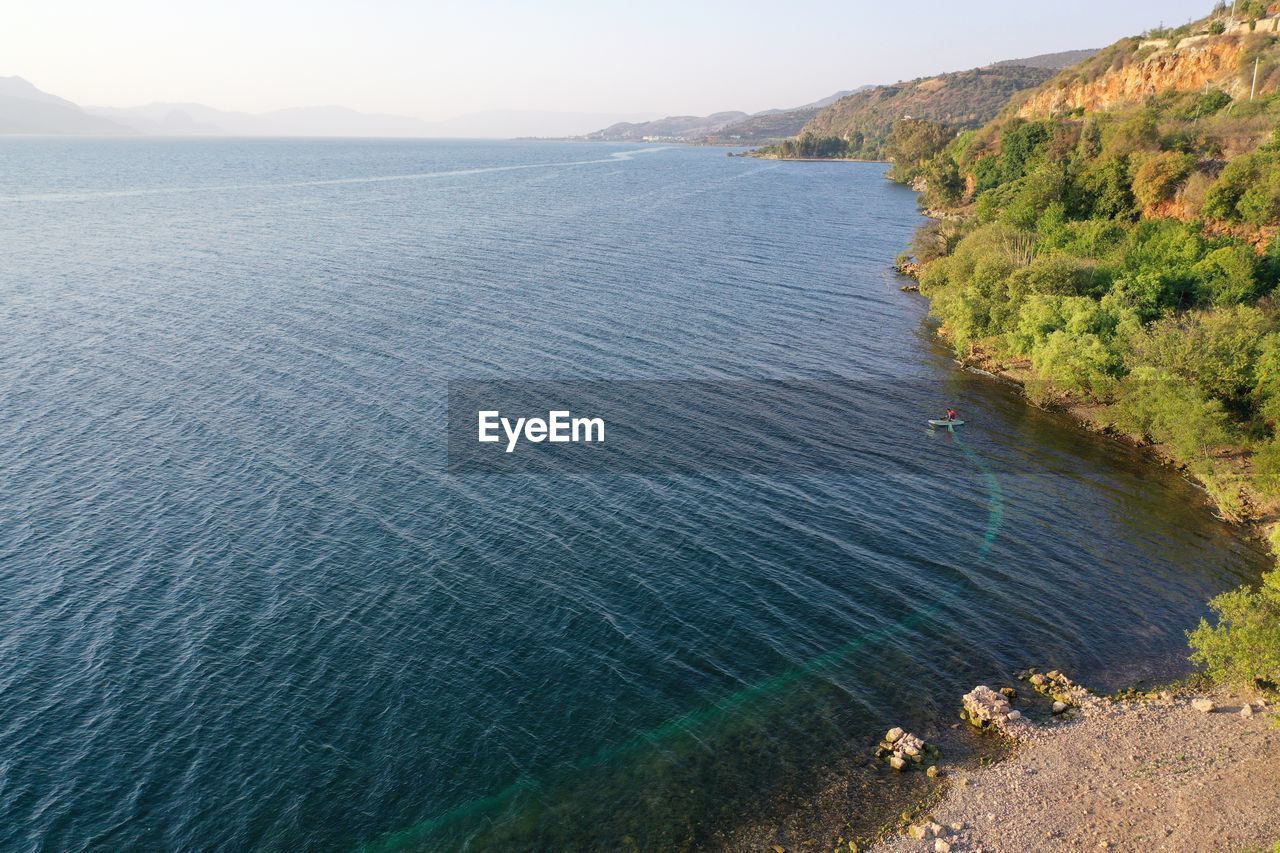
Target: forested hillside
pixel 858 126
pixel 1063 59
pixel 763 128
pixel 1111 239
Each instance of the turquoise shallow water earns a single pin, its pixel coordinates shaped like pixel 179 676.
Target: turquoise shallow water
pixel 243 604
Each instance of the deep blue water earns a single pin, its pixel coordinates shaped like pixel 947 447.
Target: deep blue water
pixel 243 605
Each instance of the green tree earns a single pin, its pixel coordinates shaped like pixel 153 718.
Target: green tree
pixel 1019 145
pixel 1245 643
pixel 912 142
pixel 944 185
pixel 1107 192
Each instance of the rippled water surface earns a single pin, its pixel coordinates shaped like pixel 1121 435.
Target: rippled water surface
pixel 243 605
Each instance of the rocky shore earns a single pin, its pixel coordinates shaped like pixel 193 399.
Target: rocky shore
pixel 1156 771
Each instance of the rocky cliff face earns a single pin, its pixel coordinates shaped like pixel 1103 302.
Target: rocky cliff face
pixel 1213 62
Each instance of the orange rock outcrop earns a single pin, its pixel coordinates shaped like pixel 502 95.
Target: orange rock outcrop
pixel 1213 63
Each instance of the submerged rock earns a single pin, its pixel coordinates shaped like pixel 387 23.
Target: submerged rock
pixel 903 749
pixel 1058 687
pixel 983 707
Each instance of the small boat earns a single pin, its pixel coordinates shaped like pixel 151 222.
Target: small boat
pixel 943 422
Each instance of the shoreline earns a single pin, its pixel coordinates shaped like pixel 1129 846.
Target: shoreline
pixel 835 818
pixel 811 159
pixel 911 798
pixel 1142 772
pixel 1253 524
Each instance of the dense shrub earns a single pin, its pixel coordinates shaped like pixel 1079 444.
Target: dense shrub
pixel 1266 467
pixel 1019 145
pixel 1245 643
pixel 1204 105
pixel 1159 177
pixel 1168 410
pixel 1138 132
pixel 912 142
pixel 944 185
pixel 1228 275
pixel 968 287
pixel 1248 190
pixel 1106 191
pixel 1260 204
pixel 1156 266
pixel 1214 351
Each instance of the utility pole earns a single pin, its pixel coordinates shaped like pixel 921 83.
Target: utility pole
pixel 1254 87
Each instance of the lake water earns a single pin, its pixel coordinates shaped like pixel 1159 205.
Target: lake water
pixel 244 604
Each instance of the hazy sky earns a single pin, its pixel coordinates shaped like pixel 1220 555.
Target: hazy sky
pixel 438 59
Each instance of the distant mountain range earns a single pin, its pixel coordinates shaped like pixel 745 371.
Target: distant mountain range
pixel 730 126
pixel 1056 61
pixel 970 98
pixel 772 125
pixel 26 109
pixel 671 127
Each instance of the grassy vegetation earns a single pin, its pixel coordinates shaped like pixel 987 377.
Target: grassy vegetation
pixel 1128 259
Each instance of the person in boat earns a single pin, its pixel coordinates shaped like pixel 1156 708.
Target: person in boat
pixel 952 415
